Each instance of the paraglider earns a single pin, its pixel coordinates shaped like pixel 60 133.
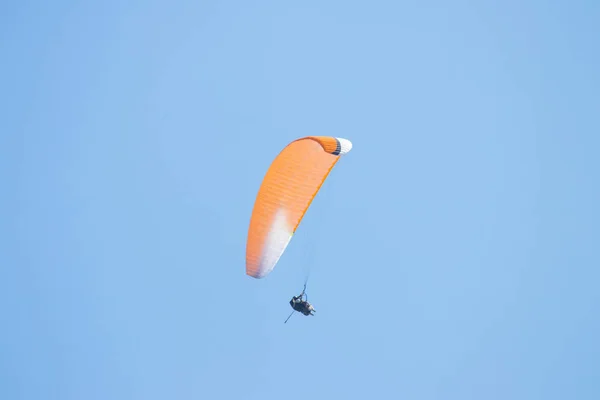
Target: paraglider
pixel 300 304
pixel 290 184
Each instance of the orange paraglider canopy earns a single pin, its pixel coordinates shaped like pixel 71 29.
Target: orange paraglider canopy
pixel 287 190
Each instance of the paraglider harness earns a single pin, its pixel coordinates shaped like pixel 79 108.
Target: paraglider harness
pixel 300 303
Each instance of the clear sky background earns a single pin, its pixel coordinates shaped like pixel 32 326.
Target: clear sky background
pixel 453 254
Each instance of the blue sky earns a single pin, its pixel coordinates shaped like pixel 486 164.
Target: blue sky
pixel 453 254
